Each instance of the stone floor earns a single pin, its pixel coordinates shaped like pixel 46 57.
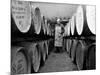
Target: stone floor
pixel 58 62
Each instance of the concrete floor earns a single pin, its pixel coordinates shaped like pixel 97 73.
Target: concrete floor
pixel 58 62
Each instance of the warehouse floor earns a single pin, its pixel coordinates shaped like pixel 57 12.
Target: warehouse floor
pixel 58 62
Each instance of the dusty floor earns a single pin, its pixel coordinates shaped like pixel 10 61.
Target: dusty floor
pixel 58 62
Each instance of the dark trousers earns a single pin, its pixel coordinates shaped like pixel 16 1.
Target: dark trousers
pixel 58 49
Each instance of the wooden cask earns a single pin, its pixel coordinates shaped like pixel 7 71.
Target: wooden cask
pixel 85 20
pixel 21 16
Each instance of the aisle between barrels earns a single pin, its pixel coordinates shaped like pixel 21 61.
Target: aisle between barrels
pixel 58 62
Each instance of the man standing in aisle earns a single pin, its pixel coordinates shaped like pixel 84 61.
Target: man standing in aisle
pixel 59 30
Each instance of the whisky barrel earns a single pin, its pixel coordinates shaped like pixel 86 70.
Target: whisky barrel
pixel 80 54
pixel 48 30
pixel 69 28
pixel 91 57
pixel 68 45
pixel 85 20
pixel 66 28
pixel 79 20
pixel 20 54
pixel 73 25
pixel 43 50
pixel 91 18
pixel 66 31
pixel 36 18
pixel 46 47
pixel 21 16
pixel 33 53
pixel 73 49
pixel 43 24
pixel 46 26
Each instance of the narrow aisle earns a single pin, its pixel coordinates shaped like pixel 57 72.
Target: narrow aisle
pixel 58 62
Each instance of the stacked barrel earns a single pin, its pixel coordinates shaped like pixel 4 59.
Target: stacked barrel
pixel 82 23
pixel 79 31
pixel 28 19
pixel 28 23
pixel 85 20
pixel 20 17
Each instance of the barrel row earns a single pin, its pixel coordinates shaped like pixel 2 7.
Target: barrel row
pixel 30 55
pixel 83 54
pixel 82 22
pixel 28 19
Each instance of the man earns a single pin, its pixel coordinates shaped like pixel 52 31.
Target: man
pixel 59 30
